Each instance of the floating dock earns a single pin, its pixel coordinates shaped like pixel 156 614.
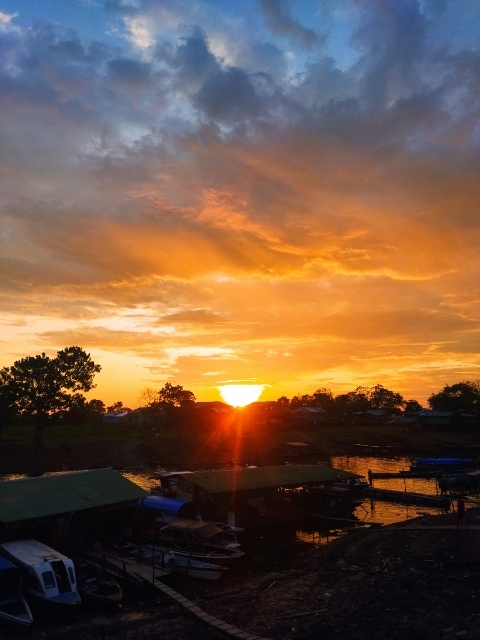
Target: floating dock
pixel 141 575
pixel 424 473
pixel 407 497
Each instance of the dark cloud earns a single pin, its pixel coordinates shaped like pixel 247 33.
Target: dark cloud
pixel 130 73
pixel 228 96
pixel 281 23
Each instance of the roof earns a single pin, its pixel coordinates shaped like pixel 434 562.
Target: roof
pixel 309 410
pixel 32 552
pixel 265 477
pixel 427 413
pixel 30 498
pixel 298 444
pixel 196 528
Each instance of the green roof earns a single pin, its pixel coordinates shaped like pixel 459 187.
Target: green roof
pixel 265 477
pixel 43 496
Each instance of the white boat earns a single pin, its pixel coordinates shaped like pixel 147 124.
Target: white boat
pixel 169 561
pixel 14 610
pixel 202 541
pixel 49 576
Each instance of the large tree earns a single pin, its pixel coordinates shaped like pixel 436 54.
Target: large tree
pixel 174 396
pixel 382 398
pixel 47 386
pixel 8 398
pixel 462 397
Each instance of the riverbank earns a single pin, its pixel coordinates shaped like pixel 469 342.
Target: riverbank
pixel 122 446
pixel 400 582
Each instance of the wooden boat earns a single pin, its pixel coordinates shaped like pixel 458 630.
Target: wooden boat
pixel 202 541
pixel 49 576
pixel 14 610
pixel 169 561
pixel 95 586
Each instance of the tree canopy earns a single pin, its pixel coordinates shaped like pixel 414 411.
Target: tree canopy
pixel 174 396
pixel 47 386
pixel 361 399
pixel 462 397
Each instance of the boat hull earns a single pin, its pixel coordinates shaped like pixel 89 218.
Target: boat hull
pixel 16 615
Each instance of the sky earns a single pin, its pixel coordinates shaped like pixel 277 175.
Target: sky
pixel 211 192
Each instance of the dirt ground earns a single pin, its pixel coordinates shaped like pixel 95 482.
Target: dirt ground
pixel 396 582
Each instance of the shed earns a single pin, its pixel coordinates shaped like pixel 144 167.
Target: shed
pixel 258 493
pixel 30 500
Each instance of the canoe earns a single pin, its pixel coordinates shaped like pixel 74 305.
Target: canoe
pixel 95 586
pixel 14 610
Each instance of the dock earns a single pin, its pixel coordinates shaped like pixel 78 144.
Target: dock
pixel 142 574
pixel 384 475
pixel 407 497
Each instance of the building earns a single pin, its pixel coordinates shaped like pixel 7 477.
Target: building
pixel 258 495
pixel 114 418
pixel 308 417
pixel 87 505
pixel 213 416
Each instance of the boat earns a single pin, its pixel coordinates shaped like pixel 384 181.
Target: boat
pixel 49 576
pixel 14 610
pixel 96 586
pixel 353 484
pixel 202 541
pixel 176 563
pixel 439 463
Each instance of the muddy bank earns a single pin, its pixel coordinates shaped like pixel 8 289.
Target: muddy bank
pixel 401 582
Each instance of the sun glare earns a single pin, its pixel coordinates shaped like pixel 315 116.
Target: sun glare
pixel 239 395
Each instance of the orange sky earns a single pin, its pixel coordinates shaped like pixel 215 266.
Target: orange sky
pixel 298 217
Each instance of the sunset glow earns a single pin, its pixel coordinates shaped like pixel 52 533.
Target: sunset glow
pixel 196 192
pixel 239 395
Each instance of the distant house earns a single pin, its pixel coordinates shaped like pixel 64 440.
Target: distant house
pixel 213 415
pixel 267 416
pixel 377 415
pixel 146 416
pixel 308 417
pixel 114 418
pixel 430 418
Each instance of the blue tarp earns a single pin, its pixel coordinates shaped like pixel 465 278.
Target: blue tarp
pixel 6 564
pixel 169 506
pixel 443 460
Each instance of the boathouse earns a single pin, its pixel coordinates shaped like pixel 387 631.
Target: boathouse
pixel 259 495
pixel 84 503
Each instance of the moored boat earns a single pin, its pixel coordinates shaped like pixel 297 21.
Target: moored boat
pixel 95 586
pixel 14 610
pixel 174 562
pixel 202 541
pixel 49 575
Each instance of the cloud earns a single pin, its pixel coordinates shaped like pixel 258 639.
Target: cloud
pixel 280 22
pixel 245 201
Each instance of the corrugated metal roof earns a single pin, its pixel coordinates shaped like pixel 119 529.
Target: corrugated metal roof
pixel 264 477
pixel 30 498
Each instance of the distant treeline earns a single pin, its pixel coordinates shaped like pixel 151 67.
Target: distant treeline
pixel 462 397
pixel 44 389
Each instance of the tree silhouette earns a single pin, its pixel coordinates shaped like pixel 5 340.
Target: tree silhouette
pixel 46 386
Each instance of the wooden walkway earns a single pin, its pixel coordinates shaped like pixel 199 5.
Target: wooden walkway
pixel 142 574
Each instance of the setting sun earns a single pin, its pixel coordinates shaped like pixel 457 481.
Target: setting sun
pixel 239 395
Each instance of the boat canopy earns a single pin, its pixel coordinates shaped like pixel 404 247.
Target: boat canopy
pixel 443 461
pixel 6 564
pixel 197 528
pixel 169 506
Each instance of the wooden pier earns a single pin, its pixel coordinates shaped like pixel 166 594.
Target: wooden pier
pixel 143 574
pixel 407 497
